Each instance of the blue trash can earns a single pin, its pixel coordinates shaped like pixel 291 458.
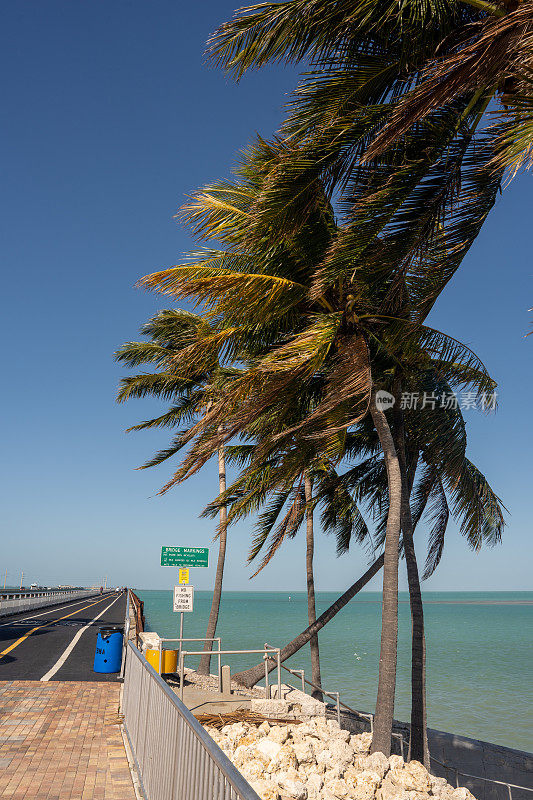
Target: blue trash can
pixel 108 655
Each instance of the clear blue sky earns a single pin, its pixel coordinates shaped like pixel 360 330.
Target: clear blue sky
pixel 110 117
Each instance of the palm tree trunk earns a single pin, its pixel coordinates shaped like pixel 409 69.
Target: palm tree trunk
pixel 381 740
pixel 205 660
pixel 311 606
pixel 253 675
pixel 418 745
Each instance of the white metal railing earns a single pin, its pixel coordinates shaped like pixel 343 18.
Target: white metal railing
pixel 334 696
pixel 181 639
pixel 13 602
pixel 457 772
pixel 126 634
pixel 265 650
pixel 175 757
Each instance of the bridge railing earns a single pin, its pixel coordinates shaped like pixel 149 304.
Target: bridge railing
pixel 14 602
pixel 175 758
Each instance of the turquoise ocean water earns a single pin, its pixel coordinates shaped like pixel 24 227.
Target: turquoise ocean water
pixel 479 651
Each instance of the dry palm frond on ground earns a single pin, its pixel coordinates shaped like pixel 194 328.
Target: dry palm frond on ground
pixel 241 715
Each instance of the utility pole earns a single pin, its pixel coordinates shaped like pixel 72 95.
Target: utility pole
pixel 105 582
pixel 5 579
pixel 22 579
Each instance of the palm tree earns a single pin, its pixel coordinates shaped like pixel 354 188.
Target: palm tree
pixel 366 53
pixel 380 74
pixel 311 604
pixel 435 441
pixel 329 330
pixel 492 57
pixel 176 339
pixel 289 495
pixel 299 493
pixel 346 314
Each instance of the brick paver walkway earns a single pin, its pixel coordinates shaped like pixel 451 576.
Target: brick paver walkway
pixel 61 741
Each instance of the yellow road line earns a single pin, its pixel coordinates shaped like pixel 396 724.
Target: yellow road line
pixel 46 624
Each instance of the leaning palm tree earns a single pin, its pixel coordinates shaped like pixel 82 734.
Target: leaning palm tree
pixel 176 335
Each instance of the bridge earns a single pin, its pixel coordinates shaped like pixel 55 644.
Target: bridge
pixel 60 734
pixel 58 642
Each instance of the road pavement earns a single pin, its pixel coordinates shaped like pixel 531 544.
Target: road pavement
pixel 58 644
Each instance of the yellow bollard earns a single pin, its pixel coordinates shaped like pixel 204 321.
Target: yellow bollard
pixel 168 657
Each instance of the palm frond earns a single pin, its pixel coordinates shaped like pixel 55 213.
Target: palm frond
pixel 477 509
pixel 439 514
pixel 183 412
pixel 163 385
pixel 286 528
pixel 166 453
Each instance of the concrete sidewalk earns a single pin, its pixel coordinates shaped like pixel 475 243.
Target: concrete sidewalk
pixel 62 741
pixel 203 701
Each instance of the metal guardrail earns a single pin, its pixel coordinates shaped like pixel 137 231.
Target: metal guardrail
pixel 457 772
pixel 265 650
pixel 14 602
pixel 181 639
pixel 126 636
pixel 334 696
pixel 175 757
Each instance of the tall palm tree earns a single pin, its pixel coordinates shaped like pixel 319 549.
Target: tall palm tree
pixel 330 323
pixel 288 499
pixel 176 337
pixel 311 604
pixel 368 54
pixel 435 441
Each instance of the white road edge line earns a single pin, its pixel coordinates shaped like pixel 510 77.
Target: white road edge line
pixel 50 611
pixel 62 658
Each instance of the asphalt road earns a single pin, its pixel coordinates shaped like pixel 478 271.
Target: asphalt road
pixel 58 643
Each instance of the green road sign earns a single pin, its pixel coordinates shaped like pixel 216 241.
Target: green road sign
pixel 184 556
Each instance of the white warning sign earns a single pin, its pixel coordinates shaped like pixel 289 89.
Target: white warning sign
pixel 183 598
